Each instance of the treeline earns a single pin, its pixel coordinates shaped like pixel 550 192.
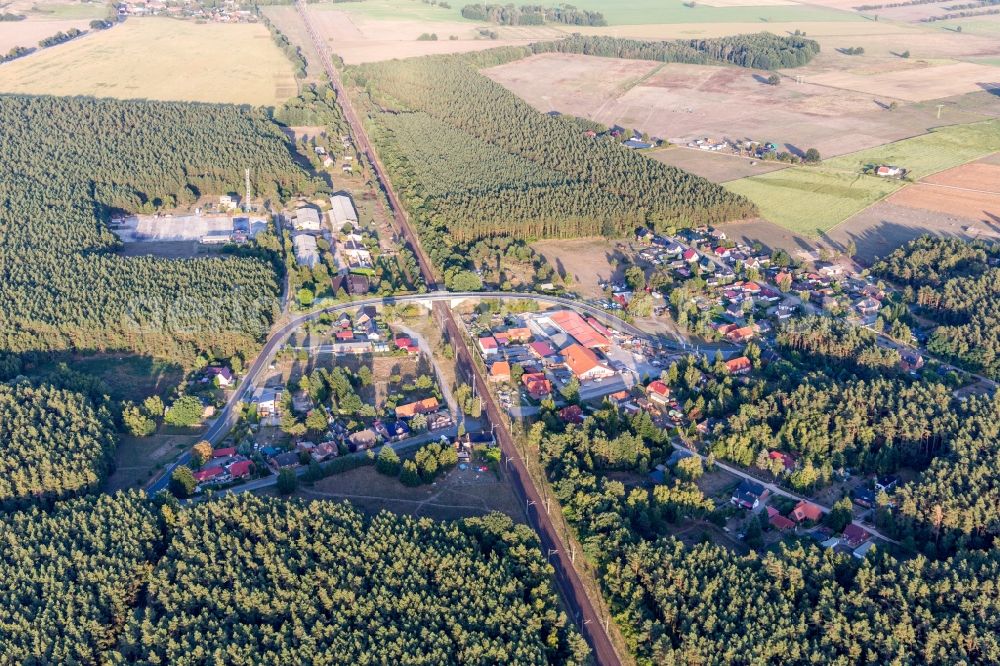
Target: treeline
pixel 291 51
pixel 956 284
pixel 796 604
pixel 989 11
pixel 762 50
pixel 473 161
pixel 16 52
pixel 532 14
pixel 61 37
pixel 7 17
pixel 120 579
pixel 56 443
pixel 62 285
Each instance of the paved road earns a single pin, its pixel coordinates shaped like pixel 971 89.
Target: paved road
pixel 776 490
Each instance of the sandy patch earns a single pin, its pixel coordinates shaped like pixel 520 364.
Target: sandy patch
pixel 584 261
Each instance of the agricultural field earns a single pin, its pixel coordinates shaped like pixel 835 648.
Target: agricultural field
pixel 160 58
pixel 44 18
pixel 812 199
pixel 646 12
pixel 679 102
pixel 377 30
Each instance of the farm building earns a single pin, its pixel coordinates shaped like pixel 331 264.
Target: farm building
pixel 342 211
pixel 306 219
pixel 306 252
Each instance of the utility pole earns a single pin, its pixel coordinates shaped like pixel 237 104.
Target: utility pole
pixel 939 107
pixel 246 201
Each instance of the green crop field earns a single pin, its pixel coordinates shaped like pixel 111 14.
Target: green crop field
pixel 812 199
pixel 639 12
pixel 397 10
pixel 617 12
pixel 161 58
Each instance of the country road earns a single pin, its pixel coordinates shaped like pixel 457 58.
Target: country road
pixel 776 490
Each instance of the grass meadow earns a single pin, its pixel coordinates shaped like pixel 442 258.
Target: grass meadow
pixel 161 58
pixel 810 200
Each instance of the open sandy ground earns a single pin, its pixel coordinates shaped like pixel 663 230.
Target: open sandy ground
pixel 916 84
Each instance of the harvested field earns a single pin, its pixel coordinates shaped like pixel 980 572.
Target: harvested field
pixel 160 58
pixel 917 83
pixel 384 29
pixel 957 201
pixel 982 175
pixel 880 229
pixel 679 102
pixel 716 167
pixel 286 18
pixel 27 33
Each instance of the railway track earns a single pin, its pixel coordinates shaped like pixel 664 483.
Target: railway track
pixel 591 623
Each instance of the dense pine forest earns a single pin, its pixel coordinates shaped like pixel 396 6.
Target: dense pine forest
pixel 472 160
pixel 55 443
pixel 957 285
pixel 68 164
pixel 795 604
pixel 762 50
pixel 120 579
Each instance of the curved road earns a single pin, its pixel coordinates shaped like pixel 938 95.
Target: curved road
pixel 225 420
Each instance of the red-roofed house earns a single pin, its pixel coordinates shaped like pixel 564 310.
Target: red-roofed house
pixel 806 511
pixel 240 469
pixel 538 386
pixel 740 334
pixel 224 453
pixel 778 521
pixel 500 372
pixel 571 414
pixel 786 460
pixel 738 366
pixel 425 406
pixel 658 392
pixel 584 363
pixel 541 349
pixel 690 255
pixel 207 474
pixel 407 343
pixel 854 536
pixel 488 344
